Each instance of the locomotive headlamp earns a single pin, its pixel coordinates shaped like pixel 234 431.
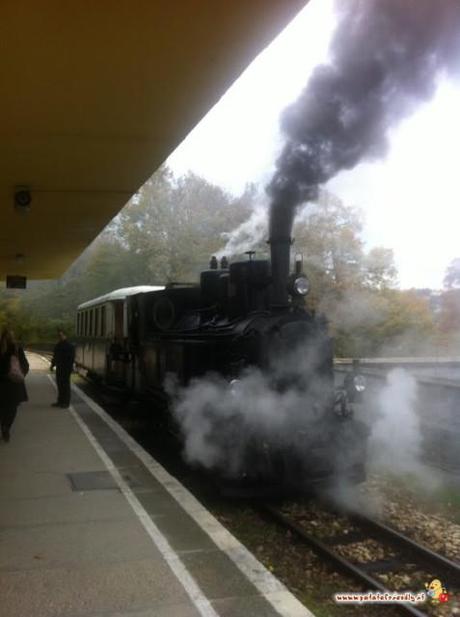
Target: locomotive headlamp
pixel 359 383
pixel 301 286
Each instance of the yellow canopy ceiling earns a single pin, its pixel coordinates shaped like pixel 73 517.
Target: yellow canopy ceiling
pixel 95 95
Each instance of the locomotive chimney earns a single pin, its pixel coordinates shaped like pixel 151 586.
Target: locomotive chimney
pixel 280 251
pixel 281 220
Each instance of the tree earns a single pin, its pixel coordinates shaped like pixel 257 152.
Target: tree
pixel 449 310
pixel 174 226
pixel 355 289
pixel 328 236
pixel 449 317
pixel 389 322
pixel 408 325
pixel 452 277
pixel 379 269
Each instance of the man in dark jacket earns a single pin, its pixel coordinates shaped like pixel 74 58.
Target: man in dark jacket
pixel 63 359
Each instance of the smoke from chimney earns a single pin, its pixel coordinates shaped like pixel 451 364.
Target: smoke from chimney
pixel 385 58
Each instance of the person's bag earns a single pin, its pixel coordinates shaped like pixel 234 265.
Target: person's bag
pixel 15 373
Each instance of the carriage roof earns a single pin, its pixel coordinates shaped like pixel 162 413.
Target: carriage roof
pixel 119 294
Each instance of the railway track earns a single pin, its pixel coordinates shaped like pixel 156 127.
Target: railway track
pixel 402 555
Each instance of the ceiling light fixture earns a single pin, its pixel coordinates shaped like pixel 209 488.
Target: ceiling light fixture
pixel 22 200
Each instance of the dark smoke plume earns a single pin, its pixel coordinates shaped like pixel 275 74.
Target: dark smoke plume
pixel 385 58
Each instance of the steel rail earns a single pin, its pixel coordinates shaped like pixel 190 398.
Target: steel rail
pixel 449 568
pixel 354 570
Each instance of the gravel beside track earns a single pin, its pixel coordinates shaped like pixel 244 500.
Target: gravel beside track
pixel 374 554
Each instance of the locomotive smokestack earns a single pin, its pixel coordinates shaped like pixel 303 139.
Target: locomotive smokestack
pixel 280 253
pixel 385 58
pixel 280 247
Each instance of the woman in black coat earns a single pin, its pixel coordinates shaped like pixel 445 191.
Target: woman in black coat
pixel 12 391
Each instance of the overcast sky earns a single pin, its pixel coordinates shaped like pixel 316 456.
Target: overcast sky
pixel 410 200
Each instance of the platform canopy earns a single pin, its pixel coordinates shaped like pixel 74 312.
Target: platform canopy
pixel 95 96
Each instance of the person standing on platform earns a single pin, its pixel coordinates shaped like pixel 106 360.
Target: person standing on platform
pixel 63 359
pixel 13 369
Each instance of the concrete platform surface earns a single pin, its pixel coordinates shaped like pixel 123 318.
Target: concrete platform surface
pixel 92 526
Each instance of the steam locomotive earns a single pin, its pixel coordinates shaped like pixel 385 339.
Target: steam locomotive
pixel 245 332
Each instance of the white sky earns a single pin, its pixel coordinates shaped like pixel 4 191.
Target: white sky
pixel 410 200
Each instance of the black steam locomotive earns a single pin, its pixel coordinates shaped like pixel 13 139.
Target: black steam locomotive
pixel 250 370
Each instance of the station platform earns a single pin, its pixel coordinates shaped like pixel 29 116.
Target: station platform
pixel 92 526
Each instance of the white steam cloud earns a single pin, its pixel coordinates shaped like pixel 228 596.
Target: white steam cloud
pixel 247 235
pixel 254 230
pixel 224 425
pixel 395 443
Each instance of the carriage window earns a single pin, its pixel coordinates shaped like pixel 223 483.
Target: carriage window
pixel 118 325
pixel 86 324
pixel 96 322
pixel 78 324
pixel 90 330
pixel 103 321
